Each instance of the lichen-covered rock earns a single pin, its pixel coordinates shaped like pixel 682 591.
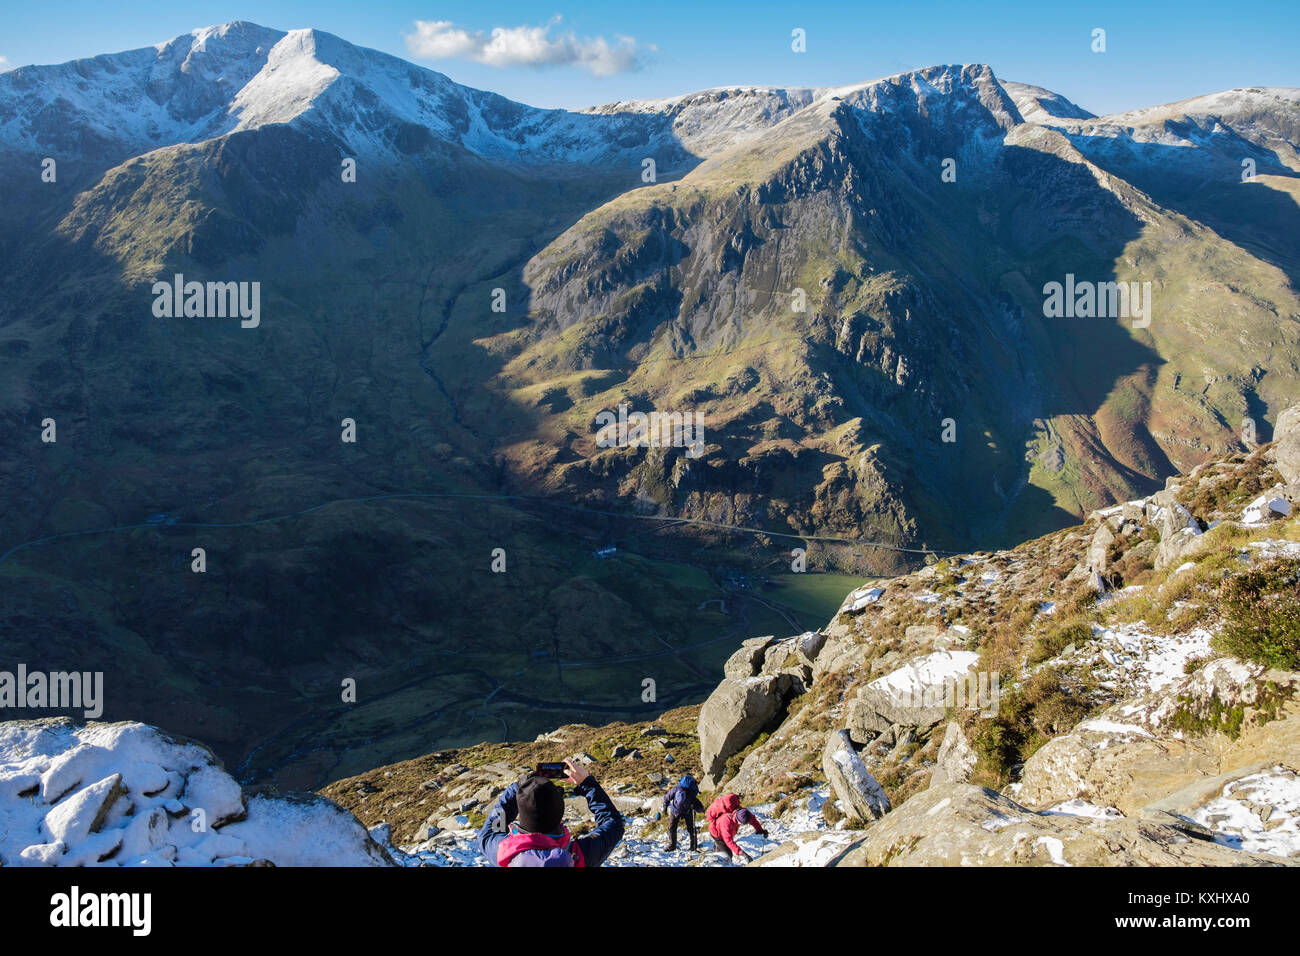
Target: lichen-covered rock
pixel 748 658
pixel 956 759
pixel 736 712
pixel 1286 434
pixel 860 794
pixel 1140 751
pixel 912 695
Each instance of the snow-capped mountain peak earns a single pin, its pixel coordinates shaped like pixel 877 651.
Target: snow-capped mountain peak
pixel 239 76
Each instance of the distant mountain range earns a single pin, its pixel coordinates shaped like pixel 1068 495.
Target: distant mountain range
pixel 847 284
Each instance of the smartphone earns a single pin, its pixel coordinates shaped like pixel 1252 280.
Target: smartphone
pixel 555 771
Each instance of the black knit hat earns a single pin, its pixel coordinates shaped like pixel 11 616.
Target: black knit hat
pixel 541 805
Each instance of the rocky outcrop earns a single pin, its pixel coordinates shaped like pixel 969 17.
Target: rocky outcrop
pixel 956 760
pixel 1137 753
pixel 963 825
pixel 1286 434
pixel 748 660
pixel 913 696
pixel 1098 547
pixel 762 677
pixel 1178 534
pixel 861 796
pixel 129 794
pixel 736 712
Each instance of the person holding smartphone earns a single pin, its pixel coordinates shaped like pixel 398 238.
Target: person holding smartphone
pixel 526 827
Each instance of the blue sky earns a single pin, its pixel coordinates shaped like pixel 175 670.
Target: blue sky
pixel 1156 52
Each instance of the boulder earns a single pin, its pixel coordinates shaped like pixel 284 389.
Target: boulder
pixel 956 759
pixel 1133 511
pixel 862 797
pixel 1135 754
pixel 1286 434
pixel 785 656
pixel 1145 548
pixel 1178 529
pixel 748 658
pixel 1097 548
pixel 1157 503
pixel 1267 507
pixel 914 694
pixel 78 816
pixel 862 722
pixel 737 712
pixel 810 644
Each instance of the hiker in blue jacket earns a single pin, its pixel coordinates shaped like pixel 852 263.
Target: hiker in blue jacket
pixel 526 827
pixel 681 803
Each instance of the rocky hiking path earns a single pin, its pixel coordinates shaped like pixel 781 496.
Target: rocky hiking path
pixel 1145 713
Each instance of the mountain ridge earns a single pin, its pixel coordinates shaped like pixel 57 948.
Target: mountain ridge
pixel 255 53
pixel 923 306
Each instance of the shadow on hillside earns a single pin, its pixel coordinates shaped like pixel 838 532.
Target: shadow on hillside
pixel 1208 187
pixel 225 431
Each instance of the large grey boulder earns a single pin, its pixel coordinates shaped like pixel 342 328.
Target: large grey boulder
pixel 913 695
pixel 1287 436
pixel 785 656
pixel 862 796
pixel 735 714
pixel 956 760
pixel 1098 547
pixel 748 659
pixel 1178 532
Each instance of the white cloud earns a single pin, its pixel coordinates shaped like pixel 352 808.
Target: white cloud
pixel 4 64
pixel 524 46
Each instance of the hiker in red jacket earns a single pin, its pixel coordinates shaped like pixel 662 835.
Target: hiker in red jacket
pixel 726 816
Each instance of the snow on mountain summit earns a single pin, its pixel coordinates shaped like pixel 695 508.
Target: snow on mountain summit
pixel 126 103
pixel 222 80
pixel 239 76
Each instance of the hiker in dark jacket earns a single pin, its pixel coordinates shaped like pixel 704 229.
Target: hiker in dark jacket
pixel 526 827
pixel 681 803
